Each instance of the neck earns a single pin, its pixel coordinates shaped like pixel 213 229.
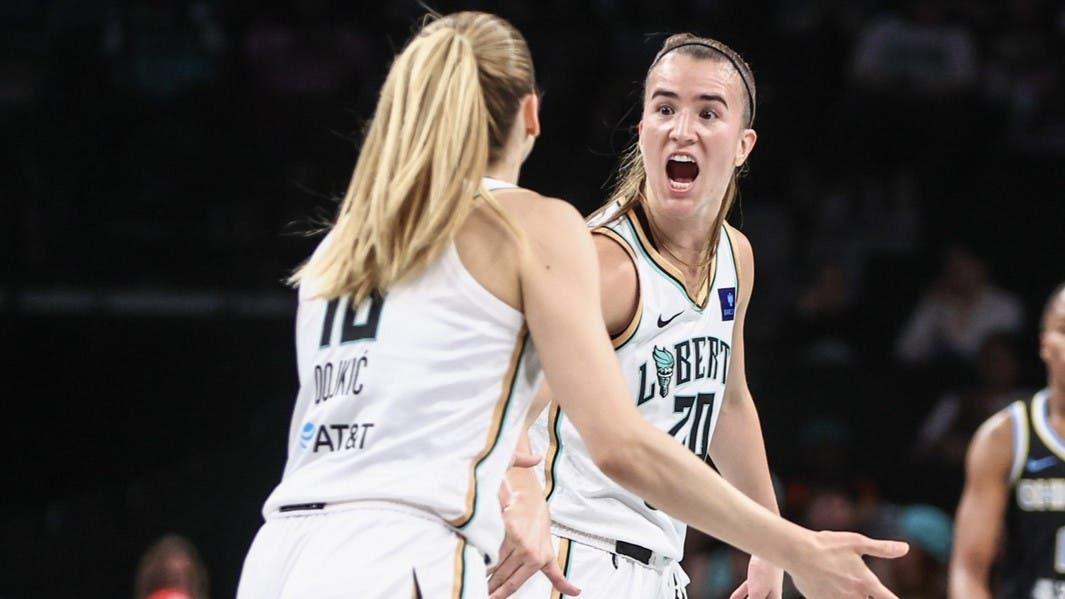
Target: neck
pixel 504 170
pixel 686 235
pixel 1056 395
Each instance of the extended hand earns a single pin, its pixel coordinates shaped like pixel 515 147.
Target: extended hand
pixel 834 567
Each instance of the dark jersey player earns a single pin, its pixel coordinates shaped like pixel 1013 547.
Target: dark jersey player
pixel 1015 475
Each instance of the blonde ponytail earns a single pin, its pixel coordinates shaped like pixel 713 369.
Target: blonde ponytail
pixel 422 162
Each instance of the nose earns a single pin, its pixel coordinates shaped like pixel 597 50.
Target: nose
pixel 682 132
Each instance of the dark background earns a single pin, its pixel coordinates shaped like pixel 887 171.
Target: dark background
pixel 163 157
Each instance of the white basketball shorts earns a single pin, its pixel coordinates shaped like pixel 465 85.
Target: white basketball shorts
pixel 365 553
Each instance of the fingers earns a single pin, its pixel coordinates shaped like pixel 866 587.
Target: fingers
pixel 514 582
pixel 504 554
pixel 524 460
pixel 740 592
pixel 504 570
pixel 558 580
pixel 884 549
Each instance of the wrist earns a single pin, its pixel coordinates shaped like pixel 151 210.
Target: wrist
pixel 801 550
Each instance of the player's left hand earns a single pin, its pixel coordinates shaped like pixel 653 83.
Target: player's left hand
pixel 764 581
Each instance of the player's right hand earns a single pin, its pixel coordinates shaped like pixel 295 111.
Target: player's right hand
pixel 526 548
pixel 834 568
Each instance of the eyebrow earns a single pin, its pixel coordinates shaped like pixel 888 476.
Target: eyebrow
pixel 673 95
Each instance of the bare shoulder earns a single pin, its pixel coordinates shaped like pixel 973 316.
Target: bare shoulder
pixel 991 449
pixel 741 246
pixel 538 216
pixel 534 211
pixel 616 267
pixel 545 220
pixel 744 252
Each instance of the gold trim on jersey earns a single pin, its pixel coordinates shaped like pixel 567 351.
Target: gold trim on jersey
pixel 495 427
pixel 1041 424
pixel 626 333
pixel 459 583
pixel 735 262
pixel 619 340
pixel 563 563
pixel 554 448
pixel 667 269
pixel 1019 419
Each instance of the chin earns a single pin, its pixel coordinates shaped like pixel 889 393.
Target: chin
pixel 678 203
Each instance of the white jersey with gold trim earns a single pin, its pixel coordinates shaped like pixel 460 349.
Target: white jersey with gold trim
pixel 413 398
pixel 675 356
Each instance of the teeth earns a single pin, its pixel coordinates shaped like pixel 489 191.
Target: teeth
pixel 681 158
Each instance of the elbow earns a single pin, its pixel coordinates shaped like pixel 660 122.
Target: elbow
pixel 618 457
pixel 613 463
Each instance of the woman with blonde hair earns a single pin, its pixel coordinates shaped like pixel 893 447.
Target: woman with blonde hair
pixel 426 316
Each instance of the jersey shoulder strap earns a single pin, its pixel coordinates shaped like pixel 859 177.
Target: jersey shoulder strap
pixel 1019 419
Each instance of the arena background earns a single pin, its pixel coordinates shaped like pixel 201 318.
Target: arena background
pixel 162 158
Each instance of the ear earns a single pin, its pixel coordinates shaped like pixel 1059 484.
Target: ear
pixel 744 146
pixel 1044 351
pixel 530 114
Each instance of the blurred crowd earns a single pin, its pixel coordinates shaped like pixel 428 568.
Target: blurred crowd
pixel 899 201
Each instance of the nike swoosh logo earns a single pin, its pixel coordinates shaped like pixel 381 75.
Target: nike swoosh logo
pixel 662 323
pixel 1035 465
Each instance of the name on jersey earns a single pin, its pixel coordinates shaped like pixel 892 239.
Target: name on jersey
pixel 1046 588
pixel 334 437
pixel 1041 494
pixel 338 379
pixel 690 360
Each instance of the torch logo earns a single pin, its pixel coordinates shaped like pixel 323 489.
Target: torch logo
pixel 664 363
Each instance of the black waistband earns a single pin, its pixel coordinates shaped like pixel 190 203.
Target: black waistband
pixel 640 554
pixel 301 506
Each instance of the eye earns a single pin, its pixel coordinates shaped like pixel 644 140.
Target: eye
pixel 708 114
pixel 665 110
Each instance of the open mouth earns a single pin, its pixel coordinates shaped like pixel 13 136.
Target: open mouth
pixel 681 170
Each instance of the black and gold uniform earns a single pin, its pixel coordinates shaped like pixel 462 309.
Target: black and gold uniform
pixel 1034 564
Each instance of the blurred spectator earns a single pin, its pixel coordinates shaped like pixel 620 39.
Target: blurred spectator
pixel 825 318
pixel 164 48
pixel 951 422
pixel 958 313
pixel 916 52
pixel 716 573
pixel 171 569
pixel 921 573
pixel 1023 76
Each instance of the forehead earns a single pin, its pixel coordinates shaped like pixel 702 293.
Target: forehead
pixel 690 76
pixel 1056 309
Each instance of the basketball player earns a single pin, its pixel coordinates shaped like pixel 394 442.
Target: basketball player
pixel 675 282
pixel 1015 473
pixel 424 318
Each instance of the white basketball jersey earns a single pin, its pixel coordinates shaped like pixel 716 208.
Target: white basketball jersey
pixel 414 398
pixel 675 357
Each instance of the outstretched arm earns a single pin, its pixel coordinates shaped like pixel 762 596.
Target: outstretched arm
pixel 561 299
pixel 738 448
pixel 982 507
